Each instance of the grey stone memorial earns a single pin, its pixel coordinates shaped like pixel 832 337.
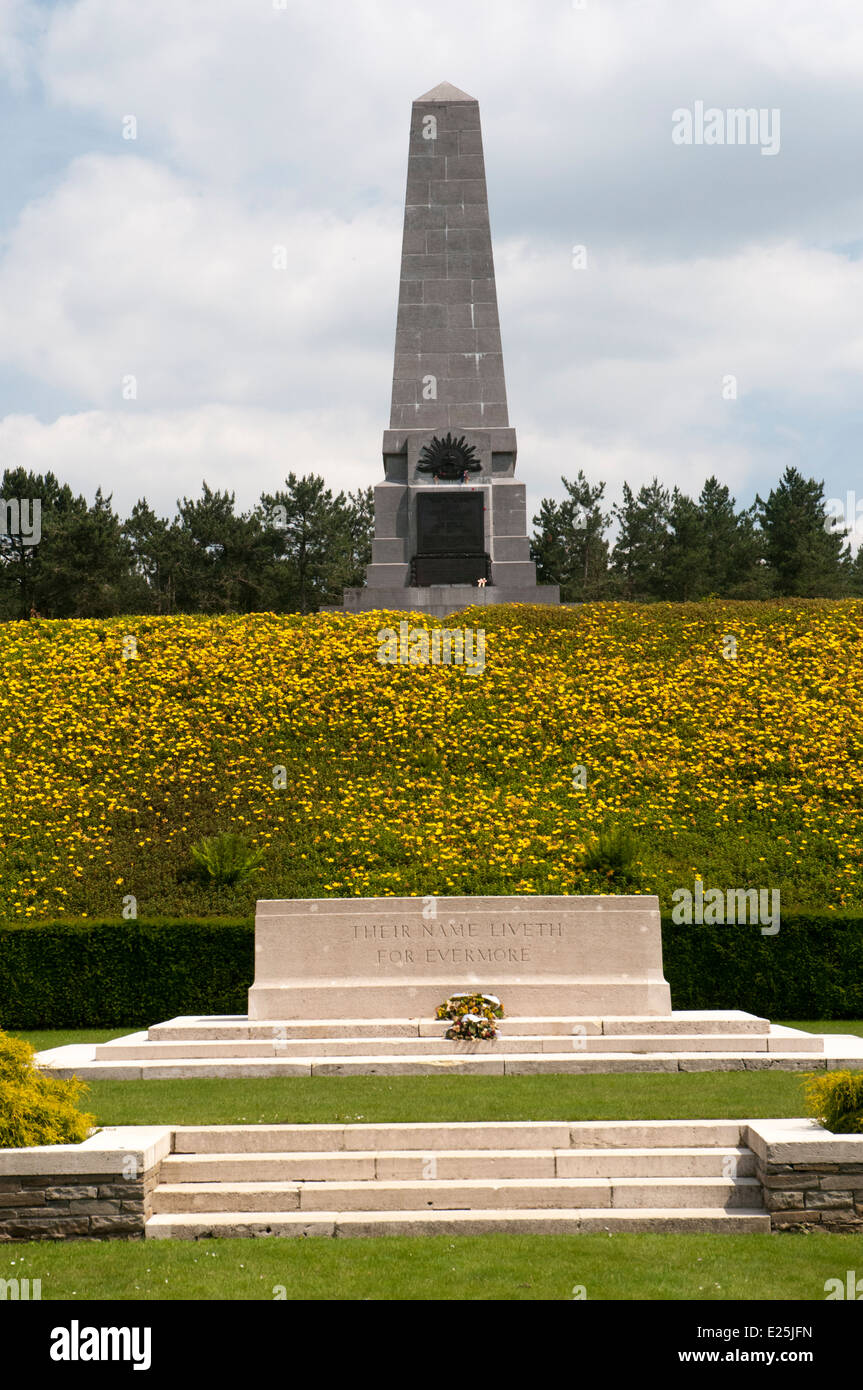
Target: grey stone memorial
pixel 450 518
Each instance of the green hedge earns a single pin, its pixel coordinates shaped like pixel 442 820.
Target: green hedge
pixel 109 974
pixel 113 974
pixel 812 968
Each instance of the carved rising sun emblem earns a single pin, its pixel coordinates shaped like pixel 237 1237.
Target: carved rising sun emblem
pixel 449 459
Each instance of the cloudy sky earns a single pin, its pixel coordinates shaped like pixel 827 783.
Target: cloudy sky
pixel 261 123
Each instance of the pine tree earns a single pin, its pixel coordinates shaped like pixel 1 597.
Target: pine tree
pixel 806 556
pixel 712 548
pixel 569 545
pixel 640 555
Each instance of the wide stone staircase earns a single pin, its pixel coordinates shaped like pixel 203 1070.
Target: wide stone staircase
pixel 410 1179
pixel 235 1045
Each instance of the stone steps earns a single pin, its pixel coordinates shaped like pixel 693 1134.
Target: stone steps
pixel 500 1064
pixel 238 1027
pixel 476 1136
pixel 574 1221
pixel 243 1049
pixel 237 1046
pixel 413 1165
pixel 456 1178
pixel 466 1194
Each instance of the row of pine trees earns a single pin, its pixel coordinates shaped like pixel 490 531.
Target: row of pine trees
pixel 298 548
pixel 671 547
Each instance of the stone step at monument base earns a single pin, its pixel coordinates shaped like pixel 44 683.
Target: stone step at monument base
pixel 142 1049
pixel 77 1061
pixel 457 1178
pixel 441 600
pixel 236 1046
pixel 229 1026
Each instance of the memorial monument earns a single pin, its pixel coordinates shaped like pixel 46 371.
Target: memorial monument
pixel 388 958
pixel 351 985
pixel 450 518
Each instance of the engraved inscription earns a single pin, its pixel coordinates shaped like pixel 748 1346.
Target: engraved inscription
pixel 472 943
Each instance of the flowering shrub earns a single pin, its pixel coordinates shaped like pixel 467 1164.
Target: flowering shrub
pixel 835 1100
pixel 287 729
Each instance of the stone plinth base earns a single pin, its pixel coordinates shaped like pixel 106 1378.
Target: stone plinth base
pixel 439 600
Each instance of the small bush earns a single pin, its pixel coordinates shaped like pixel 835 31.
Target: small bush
pixel 36 1108
pixel 224 859
pixel 611 853
pixel 835 1100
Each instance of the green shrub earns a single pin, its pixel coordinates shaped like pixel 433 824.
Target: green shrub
pixel 812 967
pixel 835 1100
pixel 36 1108
pixel 224 859
pixel 611 853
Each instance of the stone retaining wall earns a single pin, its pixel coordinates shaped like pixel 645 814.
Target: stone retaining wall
pixel 99 1190
pixel 810 1179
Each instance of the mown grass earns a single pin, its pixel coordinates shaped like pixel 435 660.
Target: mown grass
pixel 402 1099
pixel 515 1268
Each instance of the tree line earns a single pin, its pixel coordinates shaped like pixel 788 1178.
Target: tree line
pixel 298 548
pixel 294 552
pixel 671 547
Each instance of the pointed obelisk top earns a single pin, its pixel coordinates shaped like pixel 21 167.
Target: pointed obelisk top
pixel 445 91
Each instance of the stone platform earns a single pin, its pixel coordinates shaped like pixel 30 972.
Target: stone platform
pixel 350 986
pixel 343 1180
pixel 441 600
pixel 245 1047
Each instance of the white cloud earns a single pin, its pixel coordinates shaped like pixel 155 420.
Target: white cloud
pixel 126 270
pixel 164 455
pixel 259 127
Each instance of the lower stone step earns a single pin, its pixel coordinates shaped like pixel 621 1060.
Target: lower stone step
pixel 468 1194
pixel 377 1165
pixel 464 1135
pixel 70 1061
pixel 149 1051
pixel 574 1221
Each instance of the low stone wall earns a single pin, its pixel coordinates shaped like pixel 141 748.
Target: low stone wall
pixel 101 1189
pixel 811 1179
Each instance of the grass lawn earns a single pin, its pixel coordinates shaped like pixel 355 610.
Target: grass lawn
pixel 326 1100
pixel 491 1267
pixel 43 1038
pixel 832 1025
pixel 372 1099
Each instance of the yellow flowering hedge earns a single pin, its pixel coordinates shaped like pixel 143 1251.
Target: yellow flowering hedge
pixel 116 756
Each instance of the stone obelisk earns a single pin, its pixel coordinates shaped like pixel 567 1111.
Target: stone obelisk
pixel 450 520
